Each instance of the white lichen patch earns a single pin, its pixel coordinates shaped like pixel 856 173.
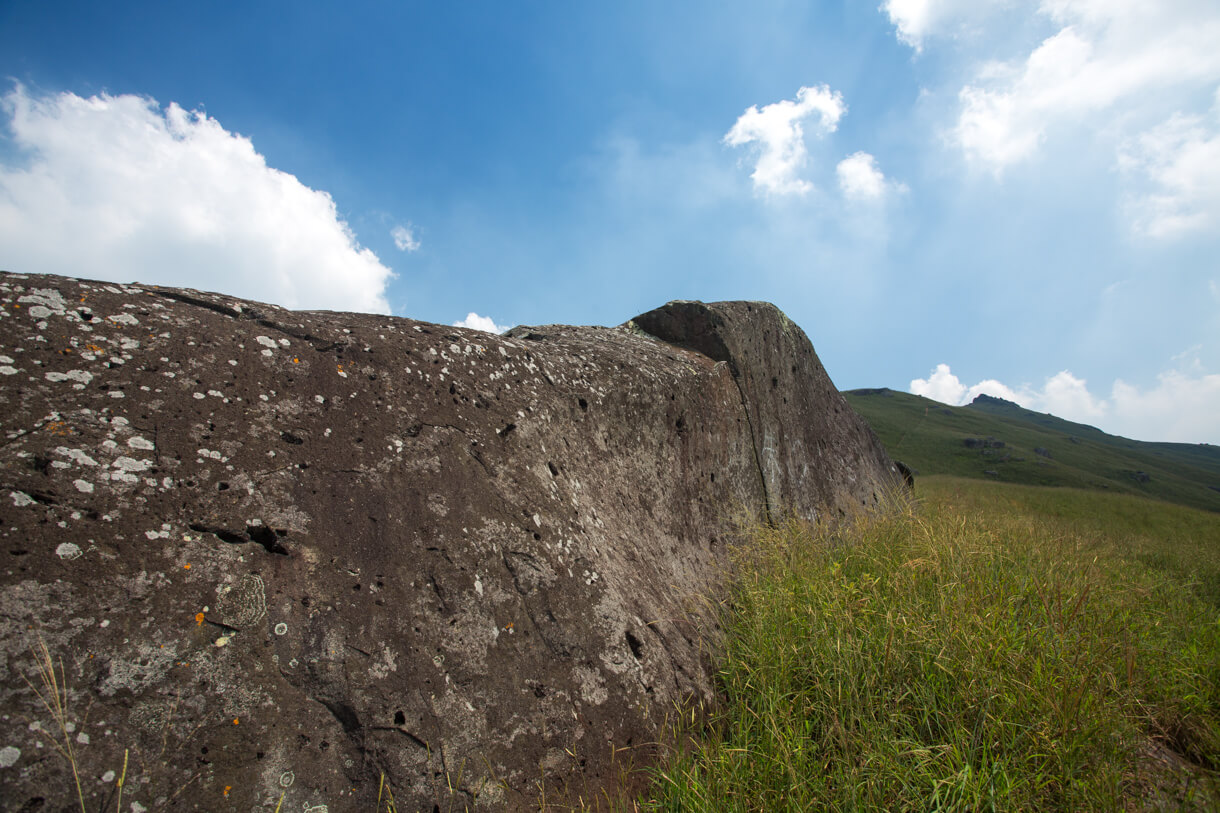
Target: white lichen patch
pixel 76 455
pixel 384 665
pixel 137 442
pixel 131 464
pixel 243 604
pixel 266 341
pixel 68 550
pixel 592 686
pixel 47 299
pixel 83 486
pixel 81 377
pixel 9 755
pixel 21 499
pixel 124 319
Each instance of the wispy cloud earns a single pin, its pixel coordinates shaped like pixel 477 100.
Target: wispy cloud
pixel 404 238
pixel 1180 159
pixel 1111 72
pixel 116 187
pixel 779 137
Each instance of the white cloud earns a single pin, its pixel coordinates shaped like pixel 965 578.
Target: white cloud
pixel 912 18
pixel 1180 407
pixel 483 323
pixel 942 385
pixel 917 20
pixel 1181 160
pixel 781 139
pixel 404 238
pixel 861 180
pixel 859 177
pixel 115 187
pixel 1108 65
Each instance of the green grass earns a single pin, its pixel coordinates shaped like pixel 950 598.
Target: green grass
pixel 994 648
pixel 930 437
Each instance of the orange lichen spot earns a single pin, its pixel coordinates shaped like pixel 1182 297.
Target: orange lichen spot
pixel 227 789
pixel 187 566
pixel 198 619
pixel 296 361
pixel 236 720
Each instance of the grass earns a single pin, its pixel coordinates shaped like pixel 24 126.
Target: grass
pixel 54 698
pixel 994 648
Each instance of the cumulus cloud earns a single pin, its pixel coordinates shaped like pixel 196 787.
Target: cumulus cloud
pixel 1179 407
pixel 119 188
pixel 1107 63
pixel 779 137
pixel 860 179
pixel 483 323
pixel 942 385
pixel 404 238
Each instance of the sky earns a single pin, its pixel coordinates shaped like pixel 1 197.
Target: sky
pixel 951 197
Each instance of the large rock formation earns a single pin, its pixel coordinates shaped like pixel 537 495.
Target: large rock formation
pixel 299 554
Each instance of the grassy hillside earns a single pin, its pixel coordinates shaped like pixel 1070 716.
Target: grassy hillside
pixel 996 647
pixel 996 439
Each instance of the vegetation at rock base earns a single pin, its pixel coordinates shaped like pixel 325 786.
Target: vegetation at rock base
pixel 991 647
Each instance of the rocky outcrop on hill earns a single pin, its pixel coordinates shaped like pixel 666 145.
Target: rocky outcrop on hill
pixel 284 558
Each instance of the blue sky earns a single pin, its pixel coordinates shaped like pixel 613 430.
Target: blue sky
pixel 1019 197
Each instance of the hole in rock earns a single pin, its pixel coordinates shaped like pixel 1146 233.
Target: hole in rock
pixel 637 646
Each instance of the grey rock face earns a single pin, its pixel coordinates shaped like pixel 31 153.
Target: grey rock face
pixel 291 554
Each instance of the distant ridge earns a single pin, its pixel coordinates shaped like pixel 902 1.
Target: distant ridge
pixel 993 438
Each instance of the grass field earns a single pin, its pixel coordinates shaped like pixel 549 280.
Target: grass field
pixel 992 647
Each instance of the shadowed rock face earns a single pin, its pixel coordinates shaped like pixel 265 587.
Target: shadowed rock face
pixel 287 553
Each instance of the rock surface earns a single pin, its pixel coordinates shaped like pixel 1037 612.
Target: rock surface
pixel 287 554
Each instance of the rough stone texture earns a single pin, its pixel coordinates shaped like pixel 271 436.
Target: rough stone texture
pixel 285 554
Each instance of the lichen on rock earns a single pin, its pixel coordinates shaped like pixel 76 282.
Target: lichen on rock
pixel 435 555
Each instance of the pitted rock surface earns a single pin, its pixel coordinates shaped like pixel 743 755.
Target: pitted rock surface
pixel 289 556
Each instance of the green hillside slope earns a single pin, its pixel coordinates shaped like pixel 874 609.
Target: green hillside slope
pixel 997 439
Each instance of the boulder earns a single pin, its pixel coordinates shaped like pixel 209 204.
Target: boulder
pixel 286 558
